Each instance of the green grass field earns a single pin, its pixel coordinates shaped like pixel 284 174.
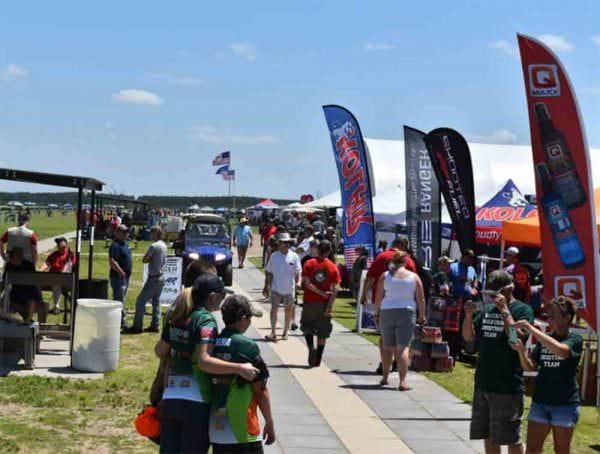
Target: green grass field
pixel 45 227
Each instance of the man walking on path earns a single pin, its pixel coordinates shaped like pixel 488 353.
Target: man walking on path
pixel 22 237
pixel 498 396
pixel 321 278
pixel 155 257
pixel 242 238
pixel 119 256
pixel 282 276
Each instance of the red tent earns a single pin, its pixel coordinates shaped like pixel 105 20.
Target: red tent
pixel 267 203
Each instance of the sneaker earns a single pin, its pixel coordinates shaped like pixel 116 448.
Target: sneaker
pixel 151 329
pixel 131 330
pixel 379 370
pixel 312 357
pixel 55 311
pixel 294 326
pixel 318 360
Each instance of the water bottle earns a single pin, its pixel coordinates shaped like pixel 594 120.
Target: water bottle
pixel 564 235
pixel 559 161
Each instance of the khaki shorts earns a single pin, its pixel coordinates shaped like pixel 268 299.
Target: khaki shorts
pixel 313 321
pixel 497 417
pixel 281 300
pixel 242 249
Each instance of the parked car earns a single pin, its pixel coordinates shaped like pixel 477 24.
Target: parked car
pixel 207 236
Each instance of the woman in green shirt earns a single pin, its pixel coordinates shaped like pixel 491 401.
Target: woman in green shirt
pixel 555 402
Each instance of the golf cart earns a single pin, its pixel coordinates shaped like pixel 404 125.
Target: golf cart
pixel 207 237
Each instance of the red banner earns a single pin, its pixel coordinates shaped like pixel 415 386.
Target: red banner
pixel 563 181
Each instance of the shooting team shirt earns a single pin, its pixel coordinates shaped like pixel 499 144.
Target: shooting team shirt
pixel 556 383
pixel 498 366
pixel 234 417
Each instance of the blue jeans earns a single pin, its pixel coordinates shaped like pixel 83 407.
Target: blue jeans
pixel 119 287
pixel 554 415
pixel 150 292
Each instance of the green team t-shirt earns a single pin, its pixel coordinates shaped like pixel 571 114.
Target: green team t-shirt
pixel 556 383
pixel 184 338
pixel 234 418
pixel 498 367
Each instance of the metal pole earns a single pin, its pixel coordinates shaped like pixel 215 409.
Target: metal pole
pixel 91 235
pixel 75 292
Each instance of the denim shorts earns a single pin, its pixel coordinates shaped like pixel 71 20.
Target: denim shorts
pixel 554 415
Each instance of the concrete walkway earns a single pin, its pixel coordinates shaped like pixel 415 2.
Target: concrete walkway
pixel 360 414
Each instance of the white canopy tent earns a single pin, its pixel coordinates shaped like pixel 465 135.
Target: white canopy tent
pixel 493 164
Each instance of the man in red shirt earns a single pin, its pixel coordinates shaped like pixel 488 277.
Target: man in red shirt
pixel 320 279
pixel 266 232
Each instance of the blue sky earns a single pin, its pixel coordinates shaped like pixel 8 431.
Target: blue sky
pixel 144 94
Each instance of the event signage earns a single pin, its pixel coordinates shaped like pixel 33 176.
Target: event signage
pixel 423 207
pixel 172 271
pixel 563 184
pixel 451 160
pixel 358 224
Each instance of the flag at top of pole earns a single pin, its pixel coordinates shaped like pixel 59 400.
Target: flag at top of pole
pixel 222 170
pixel 229 175
pixel 222 159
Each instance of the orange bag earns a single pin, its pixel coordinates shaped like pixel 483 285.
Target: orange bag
pixel 147 423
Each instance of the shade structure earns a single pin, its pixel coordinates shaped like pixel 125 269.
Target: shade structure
pixel 526 232
pixel 267 203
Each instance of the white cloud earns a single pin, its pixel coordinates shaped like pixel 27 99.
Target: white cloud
pixel 374 47
pixel 14 71
pixel 211 134
pixel 244 50
pixel 505 46
pixel 499 136
pixel 135 96
pixel 557 43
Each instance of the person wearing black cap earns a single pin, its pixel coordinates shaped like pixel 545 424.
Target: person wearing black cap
pixel 22 237
pixel 498 395
pixel 121 265
pixel 189 340
pixel 234 396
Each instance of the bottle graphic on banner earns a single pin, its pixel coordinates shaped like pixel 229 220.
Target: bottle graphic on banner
pixel 561 166
pixel 564 235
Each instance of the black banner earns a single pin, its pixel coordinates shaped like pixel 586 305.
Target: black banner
pixel 451 160
pixel 423 205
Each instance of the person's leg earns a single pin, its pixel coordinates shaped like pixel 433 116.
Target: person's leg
pixel 140 306
pixel 387 355
pixel 402 359
pixel 169 426
pixel 56 295
pixel 562 438
pixel 324 328
pixel 156 292
pixel 274 310
pixel 307 325
pixel 42 311
pixel 194 428
pixel 506 411
pixel 289 313
pixel 491 448
pixel 480 418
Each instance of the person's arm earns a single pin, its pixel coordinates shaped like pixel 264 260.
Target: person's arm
pixel 526 362
pixel 313 288
pixel 420 296
pixel 234 239
pixel 161 349
pixel 3 242
pixel 115 266
pixel 268 284
pixel 366 288
pixel 261 393
pixel 148 256
pixel 212 365
pixel 34 251
pixel 558 348
pixel 468 326
pixel 250 238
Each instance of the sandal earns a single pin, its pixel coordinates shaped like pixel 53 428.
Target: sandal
pixel 404 388
pixel 383 382
pixel 270 338
pixel 284 337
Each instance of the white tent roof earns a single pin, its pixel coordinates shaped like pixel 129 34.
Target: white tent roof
pixel 492 165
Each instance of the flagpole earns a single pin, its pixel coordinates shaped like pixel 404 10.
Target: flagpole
pixel 234 194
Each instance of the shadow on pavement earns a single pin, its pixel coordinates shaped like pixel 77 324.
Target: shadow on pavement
pixel 355 372
pixel 290 366
pixel 371 387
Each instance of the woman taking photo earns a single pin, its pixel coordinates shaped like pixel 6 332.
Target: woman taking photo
pixel 555 401
pixel 398 296
pixel 188 339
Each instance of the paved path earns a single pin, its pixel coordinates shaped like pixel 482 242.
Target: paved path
pixel 358 414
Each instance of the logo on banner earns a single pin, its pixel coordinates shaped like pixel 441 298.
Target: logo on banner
pixel 572 287
pixel 543 80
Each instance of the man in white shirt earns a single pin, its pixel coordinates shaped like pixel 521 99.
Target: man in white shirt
pixel 303 248
pixel 282 276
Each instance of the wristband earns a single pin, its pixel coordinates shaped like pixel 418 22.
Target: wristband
pixel 505 314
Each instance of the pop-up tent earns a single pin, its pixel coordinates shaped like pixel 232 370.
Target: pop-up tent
pixel 266 204
pixel 526 232
pixel 507 204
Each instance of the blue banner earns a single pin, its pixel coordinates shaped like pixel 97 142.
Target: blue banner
pixel 358 224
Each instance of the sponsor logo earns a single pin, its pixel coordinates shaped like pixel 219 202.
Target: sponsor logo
pixel 543 81
pixel 320 276
pixel 207 333
pixel 357 211
pixel 571 286
pixel 223 342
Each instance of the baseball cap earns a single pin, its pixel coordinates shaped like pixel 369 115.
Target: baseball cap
pixel 237 306
pixel 444 259
pixel 207 283
pixel 285 237
pixel 498 280
pixel 122 227
pixel 512 251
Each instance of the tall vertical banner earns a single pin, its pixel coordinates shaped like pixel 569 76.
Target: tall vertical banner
pixel 423 205
pixel 451 160
pixel 563 181
pixel 358 223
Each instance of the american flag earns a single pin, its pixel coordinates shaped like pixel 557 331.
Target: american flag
pixel 351 255
pixel 229 175
pixel 221 170
pixel 222 159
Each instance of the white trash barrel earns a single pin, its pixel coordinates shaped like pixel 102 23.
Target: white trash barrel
pixel 97 335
